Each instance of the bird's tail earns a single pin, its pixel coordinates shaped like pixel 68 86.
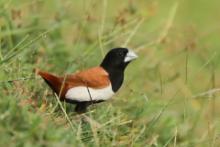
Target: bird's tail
pixel 53 81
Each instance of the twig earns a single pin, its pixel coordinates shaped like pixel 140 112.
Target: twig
pixel 139 135
pixel 1 56
pixel 19 79
pixel 209 92
pixel 90 96
pixel 208 61
pixel 186 66
pixel 17 45
pixel 165 30
pixel 133 32
pixel 62 86
pixel 168 24
pixel 175 137
pixel 66 115
pixel 157 117
pixel 102 27
pixel 26 45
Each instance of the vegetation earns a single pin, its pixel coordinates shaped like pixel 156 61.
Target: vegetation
pixel 170 96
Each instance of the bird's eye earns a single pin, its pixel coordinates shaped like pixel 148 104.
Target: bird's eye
pixel 120 54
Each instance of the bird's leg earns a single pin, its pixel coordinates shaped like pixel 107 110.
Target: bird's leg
pixel 81 107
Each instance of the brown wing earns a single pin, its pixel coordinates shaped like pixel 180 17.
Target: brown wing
pixel 95 77
pixel 53 81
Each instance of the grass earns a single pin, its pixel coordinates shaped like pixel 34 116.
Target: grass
pixel 170 96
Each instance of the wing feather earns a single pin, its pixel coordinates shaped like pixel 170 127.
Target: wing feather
pixel 96 78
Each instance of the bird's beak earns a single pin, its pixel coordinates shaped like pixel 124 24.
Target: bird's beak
pixel 131 55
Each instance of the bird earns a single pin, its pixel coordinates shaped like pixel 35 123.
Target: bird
pixel 94 85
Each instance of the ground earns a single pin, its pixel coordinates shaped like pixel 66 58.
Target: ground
pixel 170 95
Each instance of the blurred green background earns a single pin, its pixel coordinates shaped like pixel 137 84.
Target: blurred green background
pixel 170 96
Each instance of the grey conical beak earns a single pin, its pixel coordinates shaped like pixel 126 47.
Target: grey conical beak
pixel 131 55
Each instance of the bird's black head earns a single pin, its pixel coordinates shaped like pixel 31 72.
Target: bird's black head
pixel 115 63
pixel 118 59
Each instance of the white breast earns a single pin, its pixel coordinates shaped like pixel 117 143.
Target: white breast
pixel 82 93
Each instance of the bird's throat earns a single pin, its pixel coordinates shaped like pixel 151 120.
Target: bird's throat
pixel 116 77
